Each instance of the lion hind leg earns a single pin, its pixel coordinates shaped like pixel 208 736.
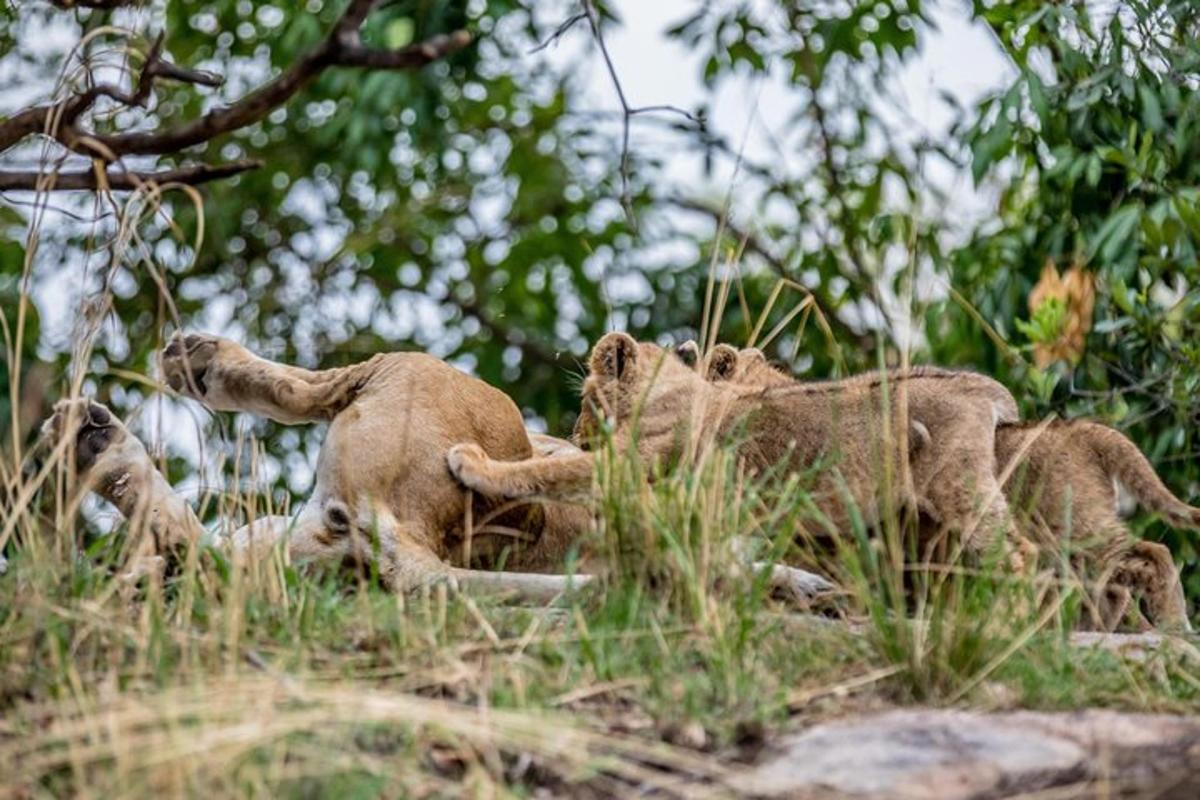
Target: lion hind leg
pixel 1149 571
pixel 227 377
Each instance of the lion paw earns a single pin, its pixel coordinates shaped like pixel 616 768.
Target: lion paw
pixel 94 428
pixel 468 463
pixel 187 362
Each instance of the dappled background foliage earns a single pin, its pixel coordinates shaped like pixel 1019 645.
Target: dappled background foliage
pixel 480 210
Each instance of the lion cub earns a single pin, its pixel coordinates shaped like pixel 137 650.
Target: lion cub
pixel 1067 480
pixel 661 410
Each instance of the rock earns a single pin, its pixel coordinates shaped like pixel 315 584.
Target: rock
pixel 953 755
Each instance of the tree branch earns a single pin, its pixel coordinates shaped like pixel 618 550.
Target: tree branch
pixel 337 49
pixel 120 181
pixel 39 118
pixel 628 112
pixel 341 47
pixel 59 118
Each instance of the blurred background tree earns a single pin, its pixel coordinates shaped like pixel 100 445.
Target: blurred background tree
pixel 481 209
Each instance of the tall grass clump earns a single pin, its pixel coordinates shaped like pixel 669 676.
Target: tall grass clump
pixel 695 535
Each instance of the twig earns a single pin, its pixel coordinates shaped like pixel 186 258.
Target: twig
pixel 566 25
pixel 341 47
pixel 41 204
pixel 627 112
pixel 122 180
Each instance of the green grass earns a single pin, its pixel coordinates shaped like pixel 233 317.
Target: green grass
pixel 269 681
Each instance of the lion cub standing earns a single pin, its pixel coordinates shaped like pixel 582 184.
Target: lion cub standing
pixel 1068 478
pixel 660 410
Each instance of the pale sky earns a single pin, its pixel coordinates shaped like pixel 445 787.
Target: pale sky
pixel 959 58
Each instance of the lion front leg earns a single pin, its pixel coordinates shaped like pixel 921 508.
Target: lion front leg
pixel 225 376
pixel 565 476
pixel 111 461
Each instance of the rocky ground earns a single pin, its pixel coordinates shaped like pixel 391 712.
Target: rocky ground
pixel 948 754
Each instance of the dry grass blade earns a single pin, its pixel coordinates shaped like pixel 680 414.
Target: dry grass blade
pixel 212 726
pixel 799 698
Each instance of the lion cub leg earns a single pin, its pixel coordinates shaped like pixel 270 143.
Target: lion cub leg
pixel 225 376
pixel 110 460
pixel 1148 571
pixel 564 476
pixel 969 501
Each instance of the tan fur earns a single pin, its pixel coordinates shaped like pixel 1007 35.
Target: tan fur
pixel 1068 477
pixel 1062 479
pixel 652 400
pixel 382 486
pixel 381 474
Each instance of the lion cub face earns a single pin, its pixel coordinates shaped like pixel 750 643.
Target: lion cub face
pixel 623 375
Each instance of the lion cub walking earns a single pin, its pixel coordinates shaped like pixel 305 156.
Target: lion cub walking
pixel 1067 480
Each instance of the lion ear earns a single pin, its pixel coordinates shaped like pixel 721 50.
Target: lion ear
pixel 614 356
pixel 752 355
pixel 689 352
pixel 722 363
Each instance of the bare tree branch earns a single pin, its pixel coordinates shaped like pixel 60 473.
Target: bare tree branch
pixel 120 180
pixel 627 112
pixel 563 27
pixel 38 118
pixel 337 49
pixel 62 115
pixel 341 47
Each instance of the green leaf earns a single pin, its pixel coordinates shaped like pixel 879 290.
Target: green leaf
pixel 1114 235
pixel 1152 117
pixel 399 33
pixel 1121 295
pixel 991 147
pixel 1037 97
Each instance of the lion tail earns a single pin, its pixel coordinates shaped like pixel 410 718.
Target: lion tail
pixel 1132 471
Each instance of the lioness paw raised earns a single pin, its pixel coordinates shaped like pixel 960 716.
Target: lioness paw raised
pixel 94 428
pixel 187 360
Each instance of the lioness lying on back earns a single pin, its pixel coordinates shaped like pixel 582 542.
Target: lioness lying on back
pixel 660 410
pixel 1063 480
pixel 382 494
